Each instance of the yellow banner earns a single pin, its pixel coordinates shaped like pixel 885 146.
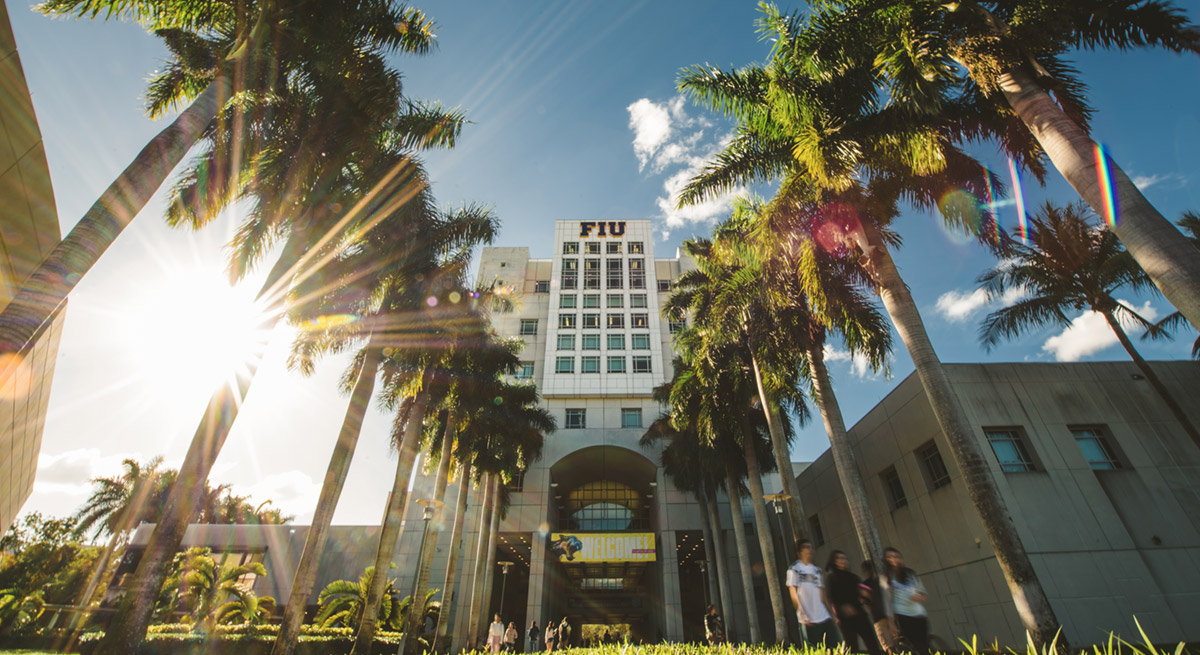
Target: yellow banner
pixel 602 546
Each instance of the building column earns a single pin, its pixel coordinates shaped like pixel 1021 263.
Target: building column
pixel 672 606
pixel 535 606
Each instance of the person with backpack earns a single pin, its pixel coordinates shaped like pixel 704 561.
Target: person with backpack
pixel 904 599
pixel 845 592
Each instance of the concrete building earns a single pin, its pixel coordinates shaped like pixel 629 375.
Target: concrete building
pixel 1101 482
pixel 28 231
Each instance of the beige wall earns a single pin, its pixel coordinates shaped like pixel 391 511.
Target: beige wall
pixel 28 230
pixel 1107 545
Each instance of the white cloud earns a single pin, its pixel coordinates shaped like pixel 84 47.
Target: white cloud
pixel 1143 182
pixel 957 306
pixel 667 138
pixel 295 492
pixel 859 365
pixel 70 473
pixel 651 125
pixel 1089 333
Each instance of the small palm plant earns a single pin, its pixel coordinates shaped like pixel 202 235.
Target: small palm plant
pixel 342 602
pixel 19 608
pixel 214 591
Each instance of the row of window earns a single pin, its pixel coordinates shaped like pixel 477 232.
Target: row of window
pixel 615 274
pixel 615 342
pixel 591 364
pixel 577 418
pixel 591 321
pixel 543 286
pixel 1012 452
pixel 529 326
pixel 592 301
pixel 593 248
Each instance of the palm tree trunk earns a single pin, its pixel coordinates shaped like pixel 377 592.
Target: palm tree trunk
pixel 1152 378
pixel 1028 595
pixel 843 457
pixel 390 532
pixel 331 491
pixel 489 564
pixel 456 546
pixel 723 583
pixel 48 286
pixel 783 456
pixel 710 554
pixel 1165 254
pixel 766 542
pixel 485 523
pixel 433 528
pixel 128 628
pixel 739 537
pixel 85 600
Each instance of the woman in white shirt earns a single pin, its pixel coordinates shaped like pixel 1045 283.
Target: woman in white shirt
pixel 904 599
pixel 496 635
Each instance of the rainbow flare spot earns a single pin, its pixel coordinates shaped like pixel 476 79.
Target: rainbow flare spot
pixel 1107 188
pixel 1019 196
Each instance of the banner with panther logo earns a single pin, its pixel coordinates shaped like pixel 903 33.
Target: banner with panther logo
pixel 603 546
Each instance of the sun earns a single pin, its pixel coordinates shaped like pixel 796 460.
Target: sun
pixel 192 330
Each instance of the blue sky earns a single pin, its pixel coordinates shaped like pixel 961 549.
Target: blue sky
pixel 574 116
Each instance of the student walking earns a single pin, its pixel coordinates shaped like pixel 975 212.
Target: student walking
pixel 510 638
pixel 879 613
pixel 813 609
pixel 713 630
pixel 564 634
pixel 551 636
pixel 905 598
pixel 535 634
pixel 495 635
pixel 846 593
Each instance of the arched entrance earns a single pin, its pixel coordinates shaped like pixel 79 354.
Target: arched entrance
pixel 601 556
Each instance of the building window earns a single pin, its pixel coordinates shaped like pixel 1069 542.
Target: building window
pixel 528 326
pixel 640 341
pixel 635 248
pixel 592 248
pixel 576 419
pixel 589 364
pixel 664 285
pixel 677 326
pixel 641 364
pixel 570 247
pixel 541 286
pixel 591 321
pixel 935 469
pixel 616 274
pixel 616 321
pixel 616 364
pixel 591 301
pixel 564 365
pixel 616 301
pixel 1096 449
pixel 616 342
pixel 590 342
pixel 893 488
pixel 570 273
pixel 566 342
pixel 637 274
pixel 591 273
pixel 631 418
pixel 637 300
pixel 1009 449
pixel 814 529
pixel 639 320
pixel 567 301
pixel 525 371
pixel 566 321
pixel 614 248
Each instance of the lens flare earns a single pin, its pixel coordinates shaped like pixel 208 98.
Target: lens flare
pixel 455 297
pixel 328 321
pixel 1019 196
pixel 432 301
pixel 1107 188
pixel 837 221
pixel 961 216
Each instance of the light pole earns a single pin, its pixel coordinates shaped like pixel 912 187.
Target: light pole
pixel 704 581
pixel 503 583
pixel 416 607
pixel 778 501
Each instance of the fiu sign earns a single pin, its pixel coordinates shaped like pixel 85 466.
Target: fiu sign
pixel 603 547
pixel 602 228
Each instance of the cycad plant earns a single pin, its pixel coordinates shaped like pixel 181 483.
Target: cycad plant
pixel 1069 263
pixel 342 602
pixel 210 589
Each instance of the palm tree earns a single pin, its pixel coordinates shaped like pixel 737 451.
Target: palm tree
pixel 1070 264
pixel 220 51
pixel 814 119
pixel 20 608
pixel 342 602
pixel 206 586
pixel 388 261
pixel 1011 57
pixel 1189 223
